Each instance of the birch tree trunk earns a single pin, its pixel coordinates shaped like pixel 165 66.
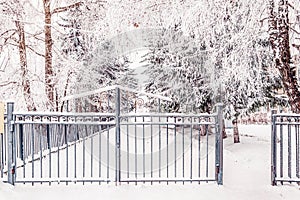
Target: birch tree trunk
pixel 279 39
pixel 23 64
pixel 49 85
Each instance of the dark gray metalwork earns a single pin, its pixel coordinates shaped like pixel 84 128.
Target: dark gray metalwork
pixel 274 151
pixel 285 148
pixel 11 160
pixel 118 140
pixel 219 145
pixel 120 145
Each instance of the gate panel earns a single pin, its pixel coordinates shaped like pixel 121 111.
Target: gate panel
pixel 64 147
pixel 285 148
pixel 168 148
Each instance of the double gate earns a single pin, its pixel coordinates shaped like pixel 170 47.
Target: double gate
pixel 123 144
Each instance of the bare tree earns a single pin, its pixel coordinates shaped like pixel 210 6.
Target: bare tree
pixel 49 73
pixel 23 64
pixel 16 37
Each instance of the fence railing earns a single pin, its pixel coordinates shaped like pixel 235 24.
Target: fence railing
pixel 117 146
pixel 285 144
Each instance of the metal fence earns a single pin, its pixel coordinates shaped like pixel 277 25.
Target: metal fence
pixel 121 145
pixel 285 145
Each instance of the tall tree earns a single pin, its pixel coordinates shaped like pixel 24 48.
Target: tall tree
pixel 16 37
pixel 279 36
pixel 49 72
pixel 236 42
pixel 23 64
pixel 177 70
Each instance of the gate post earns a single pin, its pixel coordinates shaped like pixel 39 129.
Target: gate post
pixel 273 148
pixel 11 144
pixel 219 144
pixel 117 120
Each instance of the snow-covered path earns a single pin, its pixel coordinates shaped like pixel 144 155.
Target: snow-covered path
pixel 246 176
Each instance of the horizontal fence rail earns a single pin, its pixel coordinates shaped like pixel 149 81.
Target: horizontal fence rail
pixel 120 146
pixel 285 145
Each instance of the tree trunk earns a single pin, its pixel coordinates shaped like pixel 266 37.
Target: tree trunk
pixel 49 85
pixel 279 40
pixel 236 136
pixel 23 63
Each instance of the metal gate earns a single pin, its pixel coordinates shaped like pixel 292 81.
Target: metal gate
pixel 285 143
pixel 120 144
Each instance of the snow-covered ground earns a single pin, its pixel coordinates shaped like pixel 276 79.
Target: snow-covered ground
pixel 246 176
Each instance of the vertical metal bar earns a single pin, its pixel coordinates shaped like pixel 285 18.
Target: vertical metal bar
pixel 289 150
pixel 167 149
pixel 58 151
pixel 144 148
pixel 75 150
pixel 49 141
pixel 199 149
pixel 135 145
pixel 219 144
pixel 151 148
pixel 92 149
pixel 21 142
pixel 297 146
pixel 17 141
pixel 14 149
pixel 183 124
pixel 159 142
pixel 11 153
pixel 27 136
pixel 127 133
pixel 25 149
pixel 107 153
pixel 67 150
pixel 297 149
pixel 118 152
pixel 83 152
pixel 206 133
pixel 1 154
pixel 175 150
pixel 273 148
pixel 41 149
pixel 32 151
pixel 5 139
pixel 281 147
pixel 100 146
pixel 191 149
pixel 1 145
